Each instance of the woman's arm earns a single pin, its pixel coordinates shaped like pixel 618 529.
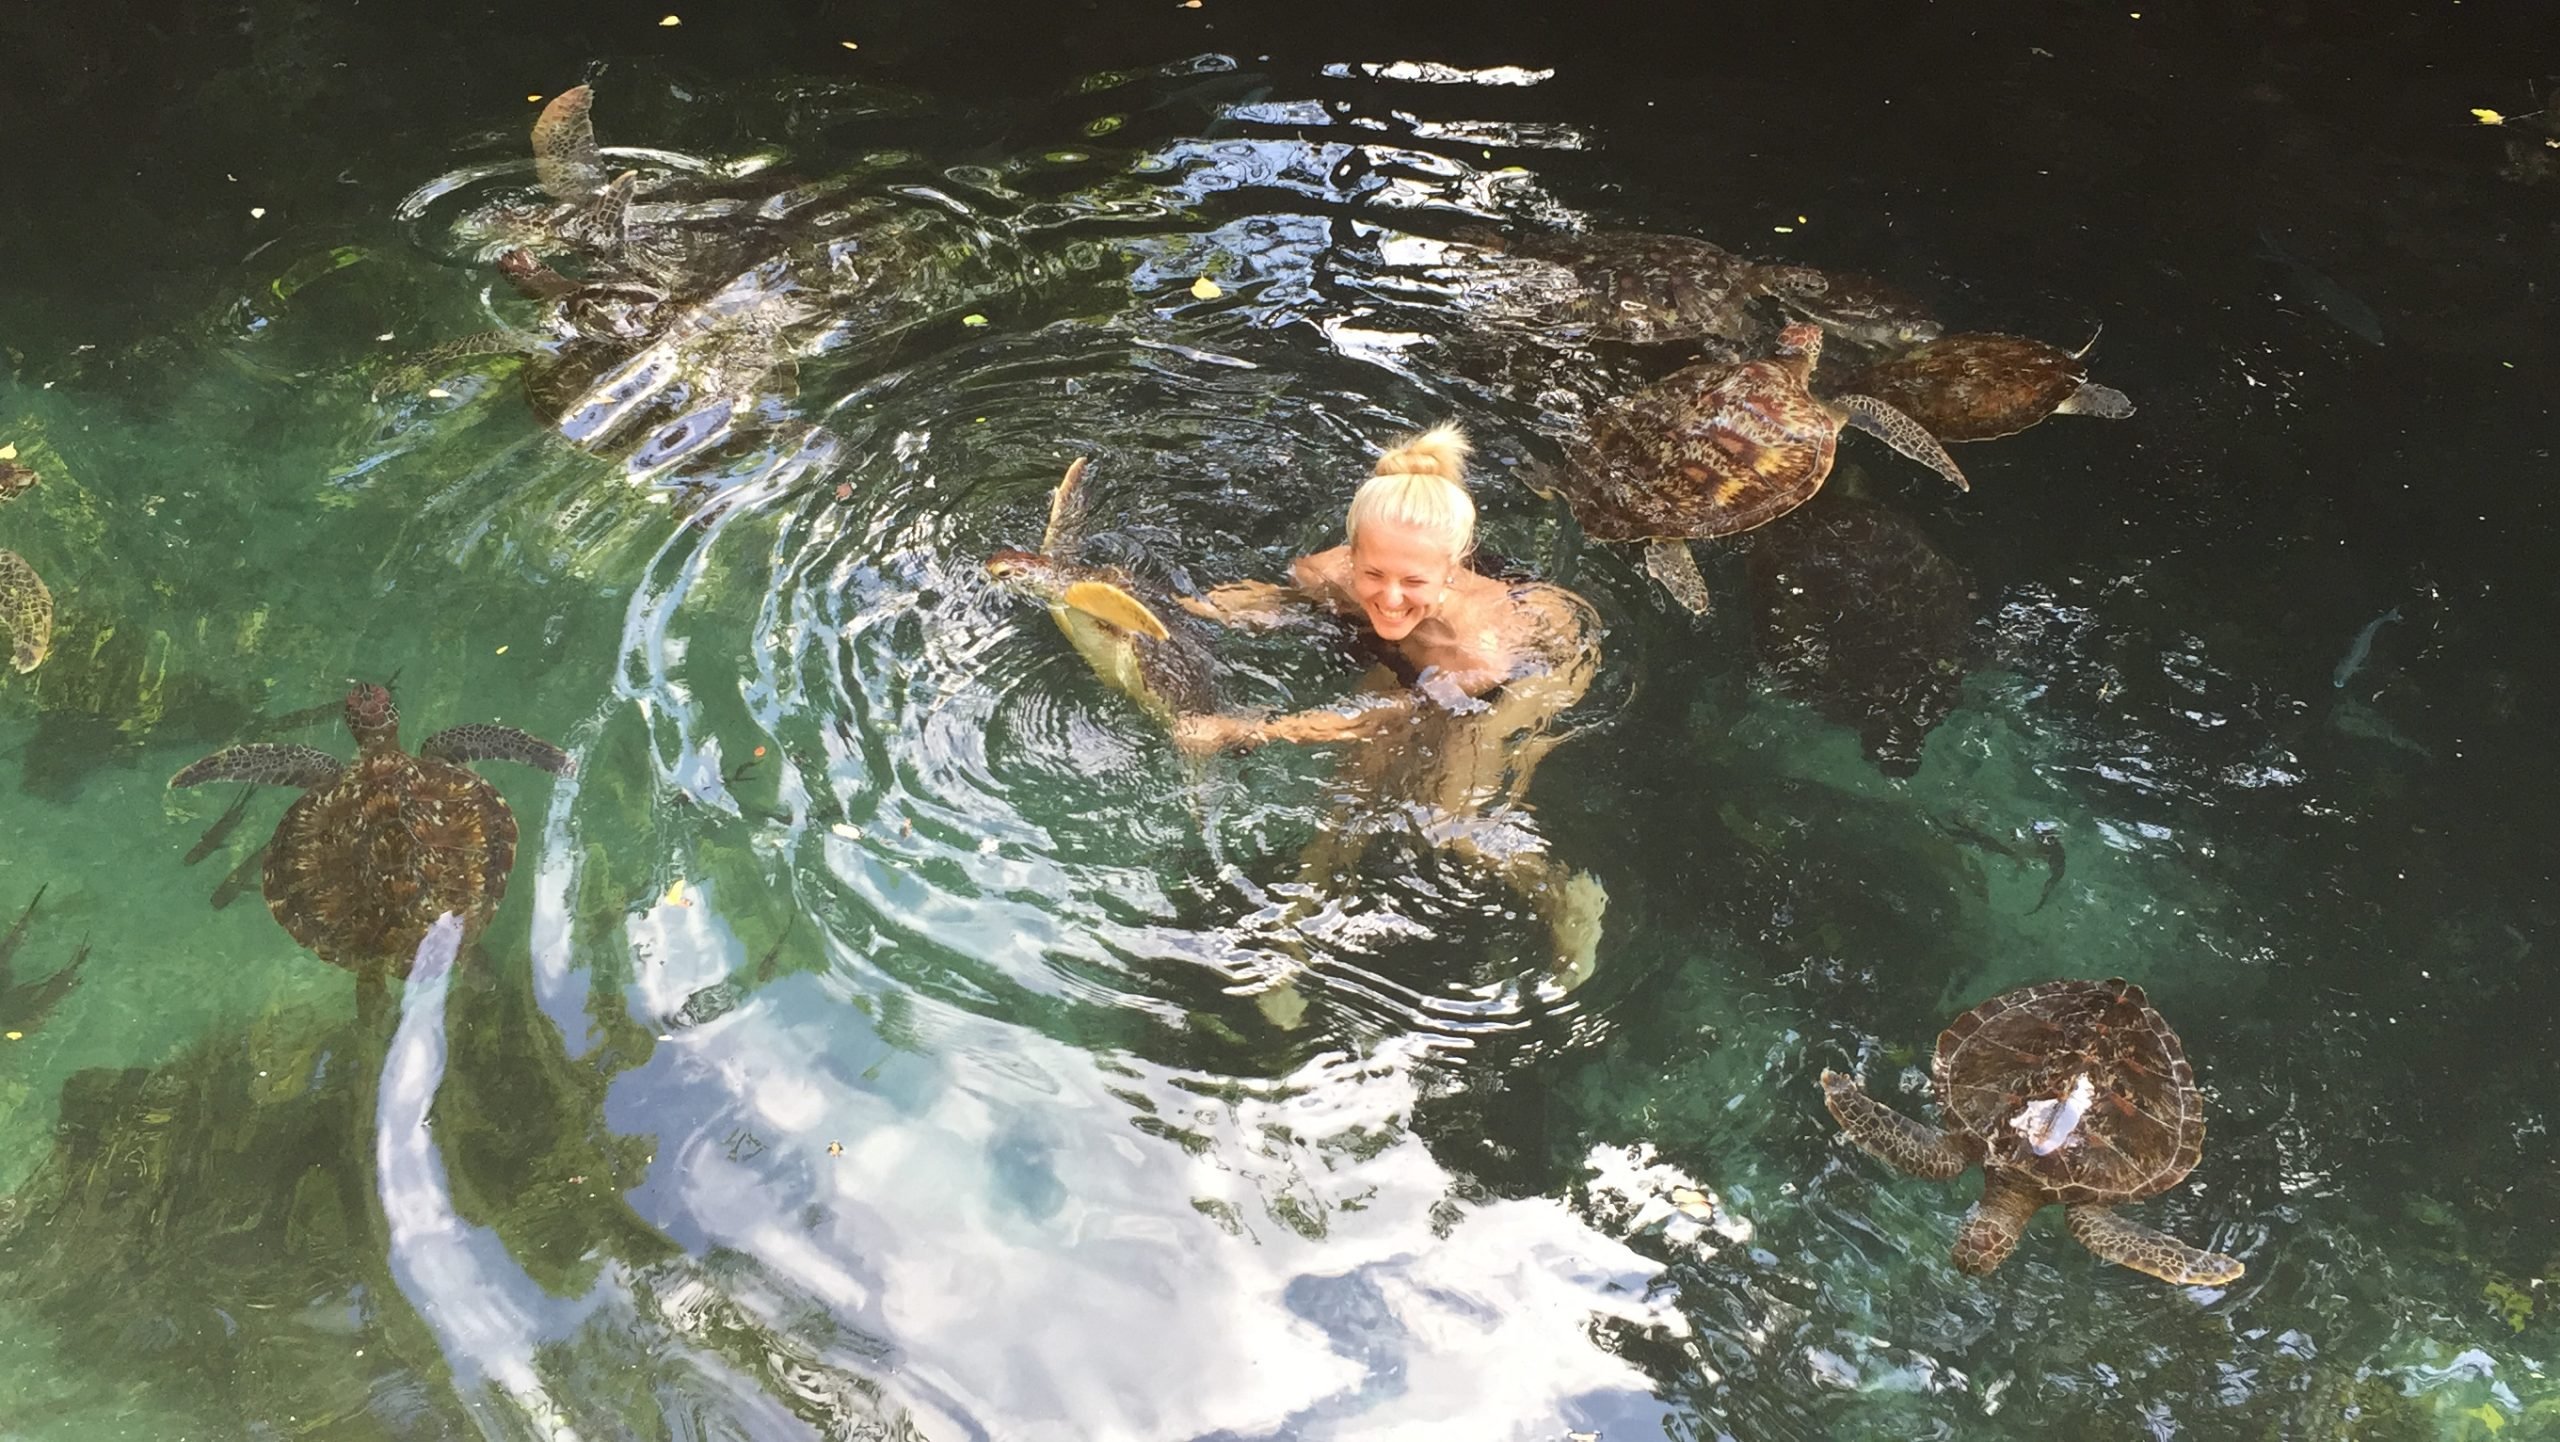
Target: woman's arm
pixel 1370 718
pixel 1254 605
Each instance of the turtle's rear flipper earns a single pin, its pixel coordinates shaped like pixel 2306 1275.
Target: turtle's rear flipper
pixel 2093 399
pixel 26 613
pixel 496 743
pixel 1670 563
pixel 2131 1244
pixel 262 763
pixel 565 159
pixel 1113 606
pixel 1909 1146
pixel 1065 536
pixel 1902 433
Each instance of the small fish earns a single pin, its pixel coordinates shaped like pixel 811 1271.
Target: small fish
pixel 1971 833
pixel 2053 1124
pixel 2049 846
pixel 247 874
pixel 764 971
pixel 2325 295
pixel 25 1008
pixel 219 831
pixel 17 934
pixel 2360 650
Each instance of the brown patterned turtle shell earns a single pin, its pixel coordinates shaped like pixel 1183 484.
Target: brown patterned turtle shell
pixel 1707 451
pixel 1976 386
pixel 378 848
pixel 2144 1126
pixel 1642 288
pixel 26 607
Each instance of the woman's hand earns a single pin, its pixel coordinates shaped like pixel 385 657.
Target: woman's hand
pixel 1207 733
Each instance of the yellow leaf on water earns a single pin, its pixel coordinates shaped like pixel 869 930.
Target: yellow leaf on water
pixel 17 1036
pixel 2487 117
pixel 849 45
pixel 676 895
pixel 1206 289
pixel 670 21
pixel 2487 1416
pixel 502 650
pixel 530 99
pixel 973 319
pixel 9 452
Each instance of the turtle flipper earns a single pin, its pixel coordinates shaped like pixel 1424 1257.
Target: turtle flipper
pixel 26 612
pixel 1902 433
pixel 263 763
pixel 1878 1128
pixel 2131 1244
pixel 496 743
pixel 1066 516
pixel 438 360
pixel 2093 399
pixel 565 159
pixel 1110 604
pixel 1669 562
pixel 1991 1230
pixel 531 278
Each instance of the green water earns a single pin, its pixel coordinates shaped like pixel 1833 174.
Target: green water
pixel 903 1083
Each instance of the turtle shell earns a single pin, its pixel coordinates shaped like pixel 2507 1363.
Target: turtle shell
pixel 1707 451
pixel 362 866
pixel 1975 386
pixel 1640 287
pixel 2144 1127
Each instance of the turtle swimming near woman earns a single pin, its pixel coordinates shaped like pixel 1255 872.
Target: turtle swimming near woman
pixel 2074 1093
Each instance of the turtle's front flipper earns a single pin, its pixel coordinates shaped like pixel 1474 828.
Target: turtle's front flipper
pixel 1992 1228
pixel 262 763
pixel 1113 606
pixel 1902 433
pixel 26 613
pixel 565 159
pixel 1669 562
pixel 2131 1244
pixel 2093 399
pixel 1909 1146
pixel 496 743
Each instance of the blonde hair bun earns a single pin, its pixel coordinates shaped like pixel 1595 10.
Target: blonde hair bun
pixel 1440 451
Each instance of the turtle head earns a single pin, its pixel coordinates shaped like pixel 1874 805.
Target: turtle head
pixel 1801 342
pixel 1028 572
pixel 372 716
pixel 27 654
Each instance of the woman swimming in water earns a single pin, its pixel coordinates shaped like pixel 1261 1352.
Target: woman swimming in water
pixel 1450 727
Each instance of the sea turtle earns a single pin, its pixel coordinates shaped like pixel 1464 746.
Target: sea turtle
pixel 2073 1092
pixel 1720 448
pixel 1641 287
pixel 377 849
pixel 1855 613
pixel 1862 309
pixel 1976 385
pixel 26 607
pixel 1134 639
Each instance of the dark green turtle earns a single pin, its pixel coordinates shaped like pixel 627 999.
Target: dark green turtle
pixel 26 607
pixel 375 850
pixel 1975 385
pixel 1133 636
pixel 2068 1092
pixel 25 1005
pixel 1718 449
pixel 1862 309
pixel 1640 287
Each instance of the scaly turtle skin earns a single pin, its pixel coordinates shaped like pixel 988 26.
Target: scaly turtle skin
pixel 1642 288
pixel 26 607
pixel 376 849
pixel 1975 385
pixel 1717 449
pixel 1864 310
pixel 2008 1074
pixel 1137 641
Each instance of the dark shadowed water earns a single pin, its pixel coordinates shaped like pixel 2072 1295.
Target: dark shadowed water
pixel 866 1046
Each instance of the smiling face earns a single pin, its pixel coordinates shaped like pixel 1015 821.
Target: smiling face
pixel 1400 573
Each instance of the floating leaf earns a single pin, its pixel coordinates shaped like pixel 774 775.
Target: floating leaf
pixel 1205 289
pixel 2487 117
pixel 9 452
pixel 17 1036
pixel 502 650
pixel 669 22
pixel 675 895
pixel 849 45
pixel 2487 1416
pixel 973 318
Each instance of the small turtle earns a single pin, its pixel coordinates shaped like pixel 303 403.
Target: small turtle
pixel 1717 449
pixel 1151 653
pixel 26 607
pixel 2073 1092
pixel 25 1005
pixel 1860 308
pixel 377 849
pixel 1975 385
pixel 1643 288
